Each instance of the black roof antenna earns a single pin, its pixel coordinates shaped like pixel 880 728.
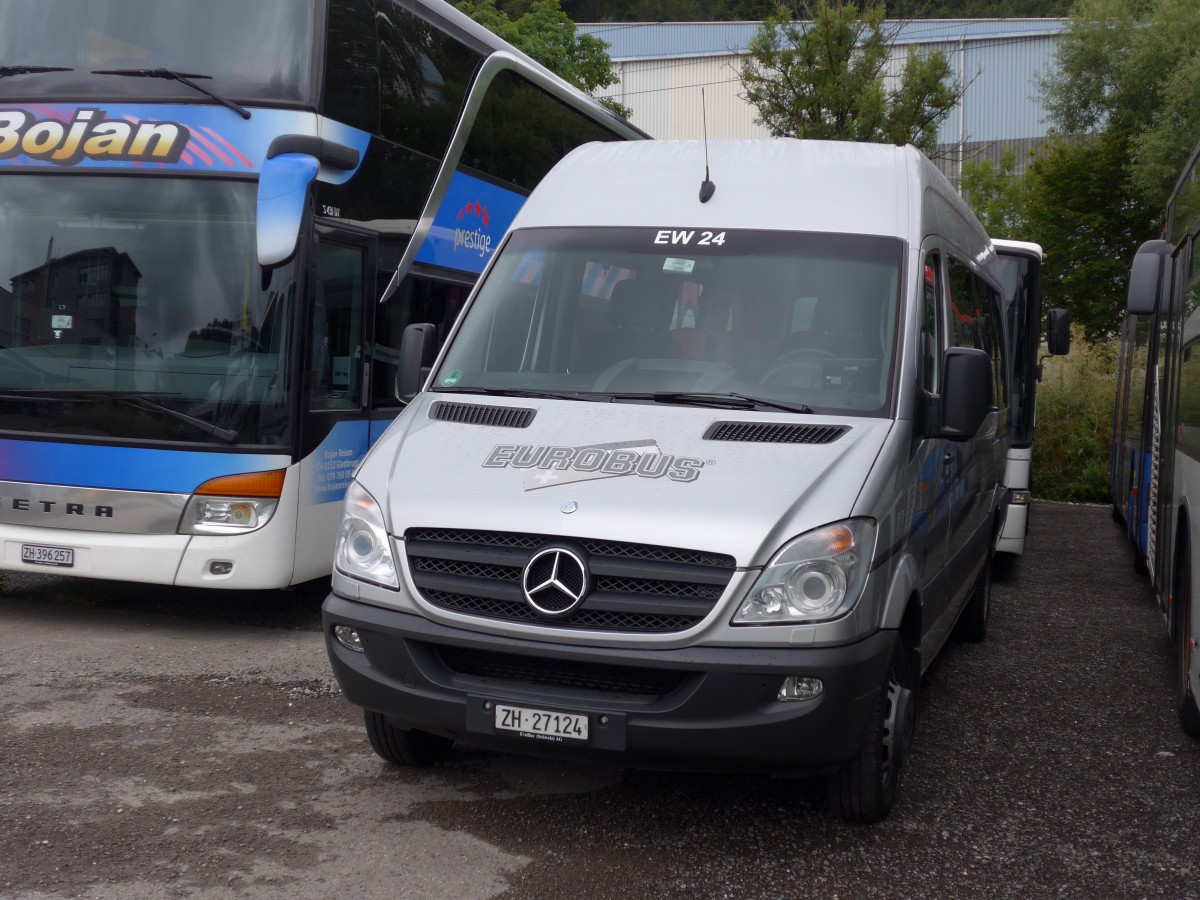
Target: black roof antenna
pixel 707 188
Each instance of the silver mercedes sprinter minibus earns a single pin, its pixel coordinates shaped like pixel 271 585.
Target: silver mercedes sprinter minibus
pixel 704 477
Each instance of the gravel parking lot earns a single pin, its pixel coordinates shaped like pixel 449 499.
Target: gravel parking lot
pixel 165 745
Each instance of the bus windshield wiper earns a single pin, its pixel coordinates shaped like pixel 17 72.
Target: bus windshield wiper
pixel 524 392
pixel 5 71
pixel 182 78
pixel 140 399
pixel 731 400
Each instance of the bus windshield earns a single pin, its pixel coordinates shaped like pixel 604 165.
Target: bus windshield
pixel 260 50
pixel 133 307
pixel 754 319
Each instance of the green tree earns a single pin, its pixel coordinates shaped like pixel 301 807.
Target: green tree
pixel 1079 208
pixel 547 34
pixel 996 194
pixel 1125 105
pixel 825 78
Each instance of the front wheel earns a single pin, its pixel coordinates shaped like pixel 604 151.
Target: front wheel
pixel 404 746
pixel 864 789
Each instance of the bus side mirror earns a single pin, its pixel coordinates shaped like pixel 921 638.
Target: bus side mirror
pixel 292 164
pixel 1058 335
pixel 1145 276
pixel 418 347
pixel 282 198
pixel 966 399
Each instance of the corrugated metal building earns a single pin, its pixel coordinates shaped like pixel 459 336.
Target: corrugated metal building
pixel 663 66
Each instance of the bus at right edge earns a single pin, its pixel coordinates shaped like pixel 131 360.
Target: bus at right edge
pixel 1156 428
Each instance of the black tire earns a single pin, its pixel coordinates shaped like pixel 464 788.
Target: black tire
pixel 973 621
pixel 863 790
pixel 1189 712
pixel 403 746
pixel 1116 515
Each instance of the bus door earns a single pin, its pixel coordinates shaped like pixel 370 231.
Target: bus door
pixel 334 431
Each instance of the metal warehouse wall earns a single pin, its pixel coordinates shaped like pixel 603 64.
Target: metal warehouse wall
pixel 663 66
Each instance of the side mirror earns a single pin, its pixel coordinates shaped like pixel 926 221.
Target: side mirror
pixel 292 164
pixel 966 398
pixel 282 199
pixel 1058 335
pixel 1145 276
pixel 418 347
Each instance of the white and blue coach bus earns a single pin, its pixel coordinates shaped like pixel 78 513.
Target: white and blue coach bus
pixel 201 207
pixel 1157 428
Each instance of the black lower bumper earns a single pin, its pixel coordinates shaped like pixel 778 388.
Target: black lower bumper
pixel 706 708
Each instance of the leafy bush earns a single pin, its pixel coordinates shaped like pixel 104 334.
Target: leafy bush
pixel 1074 424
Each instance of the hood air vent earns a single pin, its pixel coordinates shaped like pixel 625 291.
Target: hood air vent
pixel 482 414
pixel 774 433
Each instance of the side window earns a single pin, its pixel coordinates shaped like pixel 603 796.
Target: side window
pixel 931 278
pixel 975 321
pixel 964 306
pixel 352 73
pixel 336 358
pixel 416 300
pixel 521 132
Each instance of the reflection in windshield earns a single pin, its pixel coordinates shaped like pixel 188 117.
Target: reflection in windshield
pixel 139 285
pixel 798 322
pixel 259 50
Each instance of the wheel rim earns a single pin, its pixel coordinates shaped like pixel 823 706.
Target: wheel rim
pixel 898 720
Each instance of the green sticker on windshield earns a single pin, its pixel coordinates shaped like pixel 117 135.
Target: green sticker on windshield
pixel 452 379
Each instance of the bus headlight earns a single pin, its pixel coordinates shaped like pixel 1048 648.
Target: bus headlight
pixel 364 550
pixel 233 504
pixel 813 578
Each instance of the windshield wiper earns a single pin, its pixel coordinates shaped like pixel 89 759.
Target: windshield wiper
pixel 523 392
pixel 140 399
pixel 730 400
pixel 182 78
pixel 5 71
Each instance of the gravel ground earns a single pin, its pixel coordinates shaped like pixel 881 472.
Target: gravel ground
pixel 161 745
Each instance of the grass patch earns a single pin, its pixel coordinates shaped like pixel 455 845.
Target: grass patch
pixel 1074 424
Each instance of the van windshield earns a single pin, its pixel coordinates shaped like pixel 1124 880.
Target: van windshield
pixel 796 320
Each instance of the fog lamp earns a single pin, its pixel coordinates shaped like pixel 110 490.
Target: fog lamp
pixel 798 687
pixel 348 638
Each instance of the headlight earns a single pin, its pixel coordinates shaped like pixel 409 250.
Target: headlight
pixel 816 577
pixel 364 549
pixel 233 504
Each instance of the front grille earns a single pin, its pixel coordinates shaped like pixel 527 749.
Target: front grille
pixel 774 433
pixel 512 668
pixel 634 587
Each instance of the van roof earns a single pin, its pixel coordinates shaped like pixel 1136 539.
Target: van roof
pixel 779 184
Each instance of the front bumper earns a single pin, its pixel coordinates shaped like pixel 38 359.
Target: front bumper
pixel 703 708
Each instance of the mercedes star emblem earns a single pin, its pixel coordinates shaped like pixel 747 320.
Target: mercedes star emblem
pixel 555 581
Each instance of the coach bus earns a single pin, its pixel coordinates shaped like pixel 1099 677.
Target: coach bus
pixel 1156 441
pixel 1020 267
pixel 216 221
